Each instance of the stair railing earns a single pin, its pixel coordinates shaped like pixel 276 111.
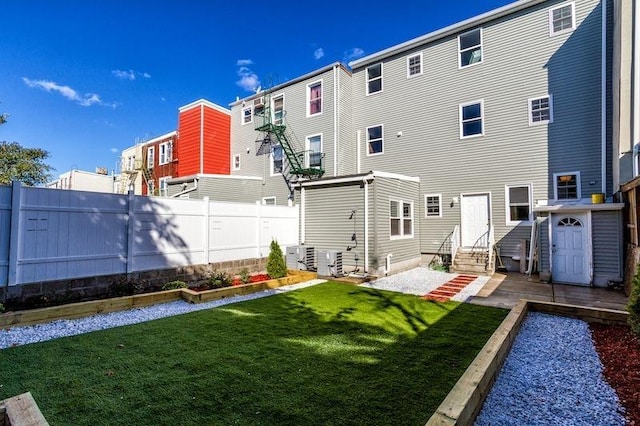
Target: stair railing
pixel 479 248
pixel 455 242
pixel 490 244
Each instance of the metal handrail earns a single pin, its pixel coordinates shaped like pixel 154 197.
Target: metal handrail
pixel 490 243
pixel 455 242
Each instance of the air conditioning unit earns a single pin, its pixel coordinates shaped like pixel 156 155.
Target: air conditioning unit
pixel 258 102
pixel 300 258
pixel 330 263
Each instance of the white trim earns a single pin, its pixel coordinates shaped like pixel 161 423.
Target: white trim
pixel 579 207
pixel 151 155
pixel 250 108
pixel 358 150
pixel 578 186
pixel 366 225
pixel 367 79
pixel 233 162
pixel 460 122
pixel 189 178
pixel 307 148
pixel 489 209
pixel 588 246
pixel 396 176
pixel 308 89
pixel 573 19
pixel 201 138
pixel 460 66
pixel 168 150
pixel 409 75
pixel 439 215
pixel 303 214
pixel 271 161
pixel 403 235
pixel 635 63
pixel 336 96
pixel 204 102
pixel 542 122
pixel 157 139
pixel 367 140
pixel 165 180
pixel 507 204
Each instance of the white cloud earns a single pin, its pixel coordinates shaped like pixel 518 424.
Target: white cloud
pixel 87 99
pixel 318 53
pixel 145 75
pixel 249 80
pixel 124 75
pixel 353 53
pixel 114 150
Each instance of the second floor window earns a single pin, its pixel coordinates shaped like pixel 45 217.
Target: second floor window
pixel 471 117
pixel 278 110
pixel 374 79
pixel 315 98
pixel 277 160
pixel 540 110
pixel 562 19
pixel 374 140
pixel 165 152
pixel 150 157
pixel 567 186
pixel 414 65
pixel 247 115
pixel 314 150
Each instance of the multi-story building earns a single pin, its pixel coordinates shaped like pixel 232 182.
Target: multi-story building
pixel 80 180
pixel 495 131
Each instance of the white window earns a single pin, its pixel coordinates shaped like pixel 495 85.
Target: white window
pixel 518 202
pixel 269 201
pixel 164 187
pixel 374 79
pixel 567 186
pixel 375 144
pixel 247 115
pixel 541 110
pixel 562 19
pixel 313 157
pixel 166 152
pixel 314 98
pixel 471 119
pixel 433 205
pixel 236 162
pixel 150 156
pixel 131 163
pixel 400 219
pixel 277 104
pixel 277 160
pixel 151 188
pixel 414 65
pixel 470 48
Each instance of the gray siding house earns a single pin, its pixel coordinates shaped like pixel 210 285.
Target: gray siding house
pixel 494 134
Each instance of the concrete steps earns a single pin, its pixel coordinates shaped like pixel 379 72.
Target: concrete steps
pixel 467 262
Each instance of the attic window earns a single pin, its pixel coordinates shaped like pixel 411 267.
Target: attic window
pixel 562 19
pixel 470 48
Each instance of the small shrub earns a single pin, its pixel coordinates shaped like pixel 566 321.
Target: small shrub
pixel 276 266
pixel 123 286
pixel 440 268
pixel 219 279
pixel 174 285
pixel 634 305
pixel 245 277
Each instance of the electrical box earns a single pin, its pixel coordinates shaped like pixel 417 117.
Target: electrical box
pixel 330 263
pixel 300 258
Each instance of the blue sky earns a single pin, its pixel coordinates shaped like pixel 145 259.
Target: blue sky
pixel 85 80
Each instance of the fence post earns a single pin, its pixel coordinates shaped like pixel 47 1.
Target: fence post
pixel 206 213
pixel 130 231
pixel 258 229
pixel 13 277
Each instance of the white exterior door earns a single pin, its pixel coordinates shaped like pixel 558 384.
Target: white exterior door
pixel 474 220
pixel 570 252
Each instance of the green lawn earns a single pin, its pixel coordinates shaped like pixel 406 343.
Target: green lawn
pixel 332 354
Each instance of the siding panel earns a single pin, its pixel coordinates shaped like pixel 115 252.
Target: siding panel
pixel 607 254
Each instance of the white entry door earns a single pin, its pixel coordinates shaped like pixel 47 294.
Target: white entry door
pixel 569 249
pixel 474 220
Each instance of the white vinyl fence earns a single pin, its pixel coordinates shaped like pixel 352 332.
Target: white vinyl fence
pixel 51 234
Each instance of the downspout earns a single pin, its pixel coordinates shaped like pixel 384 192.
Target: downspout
pixel 201 139
pixel 603 99
pixel 302 214
pixel 336 75
pixel 186 191
pixel 358 137
pixel 366 226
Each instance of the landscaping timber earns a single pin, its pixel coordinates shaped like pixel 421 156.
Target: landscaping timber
pixel 22 410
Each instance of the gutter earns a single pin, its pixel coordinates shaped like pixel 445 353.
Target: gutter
pixel 603 99
pixel 186 191
pixel 636 83
pixel 336 75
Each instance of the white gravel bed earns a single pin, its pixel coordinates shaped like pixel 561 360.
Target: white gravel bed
pixel 420 281
pixel 22 335
pixel 552 376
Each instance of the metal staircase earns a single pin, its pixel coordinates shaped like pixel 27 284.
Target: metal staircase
pixel 299 164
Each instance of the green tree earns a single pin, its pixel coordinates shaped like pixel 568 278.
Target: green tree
pixel 276 266
pixel 3 118
pixel 22 164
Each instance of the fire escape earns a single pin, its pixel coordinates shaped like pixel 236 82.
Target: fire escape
pixel 274 135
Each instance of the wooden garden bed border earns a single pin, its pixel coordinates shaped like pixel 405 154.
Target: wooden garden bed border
pixel 463 403
pixel 83 309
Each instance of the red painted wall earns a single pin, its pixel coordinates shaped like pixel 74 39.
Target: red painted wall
pixel 216 133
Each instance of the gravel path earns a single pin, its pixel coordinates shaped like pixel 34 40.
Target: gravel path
pixel 552 376
pixel 16 336
pixel 420 281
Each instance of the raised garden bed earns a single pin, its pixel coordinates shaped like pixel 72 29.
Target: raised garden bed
pixel 82 309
